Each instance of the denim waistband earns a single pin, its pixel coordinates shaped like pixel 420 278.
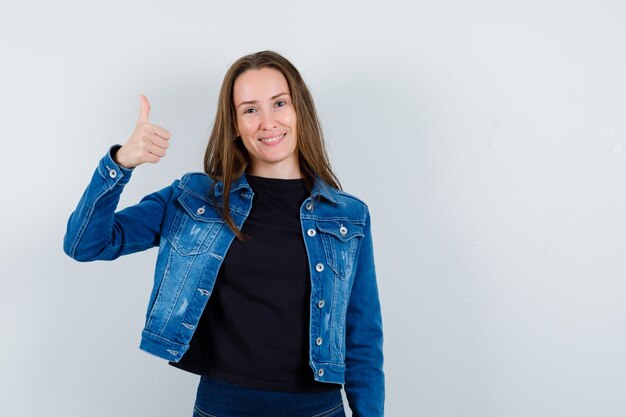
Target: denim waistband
pixel 220 397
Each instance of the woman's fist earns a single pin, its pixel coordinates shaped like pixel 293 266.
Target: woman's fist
pixel 147 143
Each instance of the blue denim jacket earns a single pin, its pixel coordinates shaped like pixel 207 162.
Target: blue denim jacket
pixel 345 337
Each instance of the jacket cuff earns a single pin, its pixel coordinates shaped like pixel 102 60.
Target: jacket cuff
pixel 113 173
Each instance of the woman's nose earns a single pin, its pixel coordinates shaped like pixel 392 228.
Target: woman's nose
pixel 267 121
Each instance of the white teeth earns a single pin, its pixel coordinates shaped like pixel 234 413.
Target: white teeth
pixel 271 140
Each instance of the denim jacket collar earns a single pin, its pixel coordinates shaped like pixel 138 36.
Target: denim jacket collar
pixel 237 184
pixel 320 188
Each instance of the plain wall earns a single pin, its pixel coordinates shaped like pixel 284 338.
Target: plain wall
pixel 487 137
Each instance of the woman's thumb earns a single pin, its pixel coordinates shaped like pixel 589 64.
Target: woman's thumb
pixel 144 109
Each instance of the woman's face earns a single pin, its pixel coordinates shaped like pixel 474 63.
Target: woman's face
pixel 266 122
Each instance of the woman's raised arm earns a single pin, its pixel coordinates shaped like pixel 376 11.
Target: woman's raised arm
pixel 94 230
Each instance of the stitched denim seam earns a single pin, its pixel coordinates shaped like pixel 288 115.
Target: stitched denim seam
pixel 83 225
pixel 202 412
pixel 329 412
pixel 359 222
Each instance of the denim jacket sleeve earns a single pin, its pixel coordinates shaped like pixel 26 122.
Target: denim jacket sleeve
pixel 365 380
pixel 96 232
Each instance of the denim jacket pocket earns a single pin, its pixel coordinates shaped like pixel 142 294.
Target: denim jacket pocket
pixel 341 241
pixel 195 226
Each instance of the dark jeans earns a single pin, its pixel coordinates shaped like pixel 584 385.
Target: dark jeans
pixel 220 398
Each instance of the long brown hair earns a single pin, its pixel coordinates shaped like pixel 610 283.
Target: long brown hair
pixel 225 159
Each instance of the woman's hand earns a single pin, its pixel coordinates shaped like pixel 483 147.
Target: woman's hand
pixel 147 143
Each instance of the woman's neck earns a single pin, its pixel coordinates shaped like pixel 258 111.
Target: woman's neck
pixel 278 170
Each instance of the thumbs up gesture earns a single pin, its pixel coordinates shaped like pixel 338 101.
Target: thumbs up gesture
pixel 147 143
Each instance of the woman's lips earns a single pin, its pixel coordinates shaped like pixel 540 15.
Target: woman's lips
pixel 271 141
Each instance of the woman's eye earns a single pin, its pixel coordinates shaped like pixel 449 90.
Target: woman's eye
pixel 282 102
pixel 250 110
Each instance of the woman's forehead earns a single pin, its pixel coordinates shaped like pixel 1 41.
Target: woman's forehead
pixel 259 84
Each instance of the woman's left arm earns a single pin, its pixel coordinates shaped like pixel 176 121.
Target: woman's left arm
pixel 365 379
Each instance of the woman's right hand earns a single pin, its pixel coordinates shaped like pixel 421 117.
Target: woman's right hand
pixel 147 143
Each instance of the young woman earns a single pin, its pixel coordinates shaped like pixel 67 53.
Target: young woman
pixel 264 282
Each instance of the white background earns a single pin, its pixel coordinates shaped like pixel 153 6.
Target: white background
pixel 487 137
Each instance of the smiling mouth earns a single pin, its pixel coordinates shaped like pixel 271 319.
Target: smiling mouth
pixel 272 139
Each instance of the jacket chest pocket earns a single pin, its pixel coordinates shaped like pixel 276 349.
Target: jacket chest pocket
pixel 195 226
pixel 341 242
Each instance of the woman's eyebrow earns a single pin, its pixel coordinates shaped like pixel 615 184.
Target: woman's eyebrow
pixel 254 101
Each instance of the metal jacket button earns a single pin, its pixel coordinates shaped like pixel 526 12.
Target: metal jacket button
pixel 200 211
pixel 311 232
pixel 320 372
pixel 112 173
pixel 321 303
pixel 319 267
pixel 343 230
pixel 318 341
pixel 308 206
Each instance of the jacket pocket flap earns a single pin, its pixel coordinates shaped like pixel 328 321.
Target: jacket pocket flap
pixel 198 208
pixel 342 230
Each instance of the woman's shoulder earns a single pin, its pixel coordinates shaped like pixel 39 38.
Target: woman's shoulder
pixel 351 198
pixel 340 203
pixel 195 183
pixel 337 195
pixel 356 205
pixel 193 178
pixel 197 179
